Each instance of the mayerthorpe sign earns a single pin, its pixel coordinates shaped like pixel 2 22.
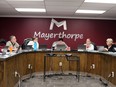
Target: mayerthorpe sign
pixel 48 36
pixel 58 24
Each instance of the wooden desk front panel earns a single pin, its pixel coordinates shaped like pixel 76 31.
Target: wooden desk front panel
pixel 1 73
pixel 93 60
pixel 114 69
pixel 39 62
pixel 104 65
pixel 22 64
pixel 9 69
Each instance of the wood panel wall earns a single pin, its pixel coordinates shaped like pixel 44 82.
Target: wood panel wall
pixel 1 73
pixel 104 65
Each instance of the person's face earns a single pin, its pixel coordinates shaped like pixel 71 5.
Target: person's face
pixel 13 40
pixel 109 42
pixel 88 41
pixel 36 40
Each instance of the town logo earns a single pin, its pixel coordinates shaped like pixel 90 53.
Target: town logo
pixel 58 24
pixel 62 34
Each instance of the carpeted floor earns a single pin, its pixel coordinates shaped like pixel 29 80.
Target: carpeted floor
pixel 62 81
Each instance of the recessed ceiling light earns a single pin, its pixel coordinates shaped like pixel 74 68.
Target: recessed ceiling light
pixel 90 11
pixel 25 0
pixel 30 9
pixel 101 1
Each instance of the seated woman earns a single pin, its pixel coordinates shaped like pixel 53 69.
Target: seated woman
pixel 110 46
pixel 34 43
pixel 89 45
pixel 60 42
pixel 12 43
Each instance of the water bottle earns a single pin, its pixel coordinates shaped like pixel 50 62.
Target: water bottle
pixel 35 46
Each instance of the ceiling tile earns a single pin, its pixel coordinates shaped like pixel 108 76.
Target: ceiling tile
pixel 3 4
pixel 59 8
pixel 109 13
pixel 63 3
pixel 59 13
pixel 24 4
pixel 96 6
pixel 113 9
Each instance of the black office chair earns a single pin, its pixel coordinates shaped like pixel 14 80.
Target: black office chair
pixel 26 41
pixel 95 47
pixel 2 42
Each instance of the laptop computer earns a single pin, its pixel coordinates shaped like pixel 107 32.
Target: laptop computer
pixel 43 46
pixel 61 47
pixel 100 48
pixel 28 47
pixel 81 48
pixel 18 49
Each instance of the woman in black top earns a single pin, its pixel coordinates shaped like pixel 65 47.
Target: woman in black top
pixel 110 46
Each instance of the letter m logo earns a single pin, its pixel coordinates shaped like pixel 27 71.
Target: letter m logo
pixel 58 24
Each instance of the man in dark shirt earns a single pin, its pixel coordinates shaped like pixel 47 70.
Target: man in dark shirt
pixel 110 46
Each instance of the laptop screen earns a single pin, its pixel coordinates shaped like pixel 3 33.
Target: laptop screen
pixel 43 46
pixel 81 47
pixel 28 47
pixel 61 47
pixel 100 48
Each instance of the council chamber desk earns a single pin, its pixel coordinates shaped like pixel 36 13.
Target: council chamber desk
pixel 98 63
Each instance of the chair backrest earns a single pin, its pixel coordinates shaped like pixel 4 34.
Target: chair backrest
pixel 2 42
pixel 95 47
pixel 26 41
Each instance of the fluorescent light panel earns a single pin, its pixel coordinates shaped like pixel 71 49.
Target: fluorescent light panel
pixel 101 1
pixel 90 11
pixel 30 9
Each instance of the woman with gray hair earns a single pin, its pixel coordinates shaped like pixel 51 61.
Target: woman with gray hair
pixel 110 46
